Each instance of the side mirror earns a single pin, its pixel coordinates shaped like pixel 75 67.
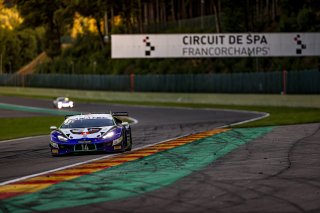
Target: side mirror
pixel 53 127
pixel 125 123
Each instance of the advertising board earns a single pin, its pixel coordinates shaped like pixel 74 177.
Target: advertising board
pixel 215 45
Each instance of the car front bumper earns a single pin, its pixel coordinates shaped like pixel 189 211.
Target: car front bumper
pixel 67 148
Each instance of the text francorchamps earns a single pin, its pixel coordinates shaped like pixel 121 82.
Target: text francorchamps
pixel 225 45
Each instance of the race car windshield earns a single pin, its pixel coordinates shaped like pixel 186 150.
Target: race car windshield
pixel 63 99
pixel 86 123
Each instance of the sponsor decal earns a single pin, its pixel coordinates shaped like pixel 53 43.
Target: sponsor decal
pixel 215 45
pixel 84 141
pixel 225 45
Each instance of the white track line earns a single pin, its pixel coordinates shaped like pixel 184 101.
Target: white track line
pixel 54 170
pixel 109 156
pixel 247 121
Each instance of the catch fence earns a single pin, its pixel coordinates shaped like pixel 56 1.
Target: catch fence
pixel 293 82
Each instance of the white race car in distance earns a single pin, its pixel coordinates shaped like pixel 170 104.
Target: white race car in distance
pixel 62 102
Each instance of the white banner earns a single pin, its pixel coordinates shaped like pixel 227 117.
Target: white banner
pixel 215 45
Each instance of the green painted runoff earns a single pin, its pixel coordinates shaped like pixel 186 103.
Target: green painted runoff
pixel 136 177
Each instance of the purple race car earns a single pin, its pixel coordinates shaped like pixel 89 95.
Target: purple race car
pixel 91 132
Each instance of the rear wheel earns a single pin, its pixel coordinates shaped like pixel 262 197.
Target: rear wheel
pixel 128 142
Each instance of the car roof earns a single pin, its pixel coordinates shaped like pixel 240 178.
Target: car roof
pixel 62 97
pixel 90 116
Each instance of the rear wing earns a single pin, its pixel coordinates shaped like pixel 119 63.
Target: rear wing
pixel 67 116
pixel 111 113
pixel 119 113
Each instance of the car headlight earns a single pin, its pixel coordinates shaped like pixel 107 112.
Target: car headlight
pixel 117 141
pixel 108 135
pixel 62 138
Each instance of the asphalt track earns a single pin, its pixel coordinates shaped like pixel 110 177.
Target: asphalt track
pixel 277 172
pixel 29 156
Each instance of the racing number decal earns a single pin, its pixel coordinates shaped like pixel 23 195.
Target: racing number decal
pixel 85 147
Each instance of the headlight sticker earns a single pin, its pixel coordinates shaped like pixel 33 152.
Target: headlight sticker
pixel 117 141
pixel 54 145
pixel 62 138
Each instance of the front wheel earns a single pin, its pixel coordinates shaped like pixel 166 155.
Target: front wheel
pixel 54 152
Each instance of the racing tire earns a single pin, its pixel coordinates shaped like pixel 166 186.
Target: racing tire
pixel 54 155
pixel 128 147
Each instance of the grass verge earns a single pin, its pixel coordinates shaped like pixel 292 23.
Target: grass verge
pixel 309 101
pixel 29 126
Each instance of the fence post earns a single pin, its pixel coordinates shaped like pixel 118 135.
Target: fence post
pixel 284 78
pixel 1 64
pixel 132 82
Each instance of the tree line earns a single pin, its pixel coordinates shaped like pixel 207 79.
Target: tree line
pixel 136 16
